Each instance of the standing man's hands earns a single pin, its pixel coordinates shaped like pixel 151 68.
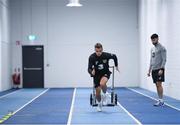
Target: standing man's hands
pixel 160 72
pixel 149 73
pixel 117 69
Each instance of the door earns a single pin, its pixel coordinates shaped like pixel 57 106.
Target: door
pixel 33 66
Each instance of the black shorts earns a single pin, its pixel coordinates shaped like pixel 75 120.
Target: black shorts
pixel 156 77
pixel 97 78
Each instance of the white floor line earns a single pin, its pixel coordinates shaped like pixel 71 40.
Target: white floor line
pixel 153 98
pixel 30 101
pixel 8 94
pixel 72 107
pixel 137 121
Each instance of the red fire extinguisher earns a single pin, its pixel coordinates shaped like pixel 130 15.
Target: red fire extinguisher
pixel 16 78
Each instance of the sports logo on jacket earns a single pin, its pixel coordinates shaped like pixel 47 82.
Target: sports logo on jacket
pixel 96 62
pixel 100 66
pixel 105 61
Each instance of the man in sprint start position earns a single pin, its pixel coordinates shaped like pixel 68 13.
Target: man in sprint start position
pixel 98 68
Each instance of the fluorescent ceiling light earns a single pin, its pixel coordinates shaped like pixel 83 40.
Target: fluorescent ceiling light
pixel 74 3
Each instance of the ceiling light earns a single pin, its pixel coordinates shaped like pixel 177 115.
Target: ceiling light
pixel 74 3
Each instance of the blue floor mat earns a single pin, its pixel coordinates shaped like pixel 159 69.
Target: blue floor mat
pixel 14 101
pixel 7 92
pixel 142 108
pixel 51 108
pixel 84 113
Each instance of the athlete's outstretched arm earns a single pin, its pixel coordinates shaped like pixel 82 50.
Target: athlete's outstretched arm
pixel 90 65
pixel 114 57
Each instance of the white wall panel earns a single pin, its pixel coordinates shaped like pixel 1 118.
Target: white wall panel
pixel 5 47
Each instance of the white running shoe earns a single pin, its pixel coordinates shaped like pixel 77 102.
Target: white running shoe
pixel 159 103
pixel 105 99
pixel 99 107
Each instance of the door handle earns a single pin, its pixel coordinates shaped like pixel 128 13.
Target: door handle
pixel 37 69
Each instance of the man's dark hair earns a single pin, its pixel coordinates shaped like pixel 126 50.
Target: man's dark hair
pixel 154 36
pixel 98 45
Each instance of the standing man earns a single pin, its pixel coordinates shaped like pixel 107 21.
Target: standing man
pixel 157 67
pixel 98 68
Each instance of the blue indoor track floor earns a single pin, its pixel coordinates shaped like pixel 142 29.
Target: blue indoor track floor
pixel 70 106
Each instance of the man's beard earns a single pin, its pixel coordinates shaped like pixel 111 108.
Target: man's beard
pixel 155 44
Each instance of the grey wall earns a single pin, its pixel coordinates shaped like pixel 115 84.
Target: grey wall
pixel 69 35
pixel 5 47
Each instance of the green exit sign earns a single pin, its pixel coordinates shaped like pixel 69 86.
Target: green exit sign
pixel 32 37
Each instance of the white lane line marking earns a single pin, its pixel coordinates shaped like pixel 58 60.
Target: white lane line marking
pixel 137 121
pixel 153 98
pixel 30 101
pixel 9 94
pixel 72 107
